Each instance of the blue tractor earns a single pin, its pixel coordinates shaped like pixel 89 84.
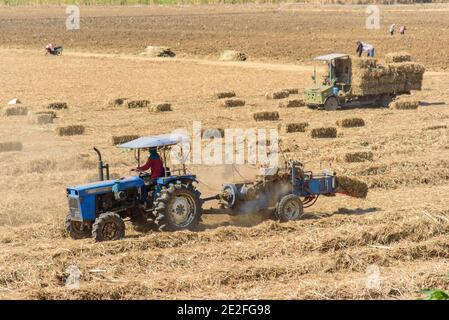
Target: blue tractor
pixel 169 203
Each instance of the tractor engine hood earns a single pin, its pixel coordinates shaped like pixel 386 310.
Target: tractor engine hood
pixel 106 186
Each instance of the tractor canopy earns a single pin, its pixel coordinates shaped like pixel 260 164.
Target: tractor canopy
pixel 162 140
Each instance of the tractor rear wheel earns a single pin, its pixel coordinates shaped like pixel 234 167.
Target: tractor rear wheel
pixel 77 229
pixel 331 104
pixel 177 207
pixel 108 226
pixel 385 100
pixel 289 208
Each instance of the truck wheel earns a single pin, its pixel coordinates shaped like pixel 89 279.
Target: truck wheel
pixel 108 226
pixel 76 229
pixel 331 104
pixel 385 100
pixel 178 207
pixel 289 208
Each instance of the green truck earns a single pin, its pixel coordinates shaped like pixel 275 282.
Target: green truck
pixel 344 85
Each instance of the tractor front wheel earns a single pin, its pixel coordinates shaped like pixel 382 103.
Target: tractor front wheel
pixel 77 229
pixel 289 208
pixel 331 104
pixel 108 226
pixel 177 207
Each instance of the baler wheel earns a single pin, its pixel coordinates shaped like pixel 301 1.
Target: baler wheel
pixel 108 226
pixel 289 208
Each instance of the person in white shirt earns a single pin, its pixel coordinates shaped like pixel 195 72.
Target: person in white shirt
pixel 365 47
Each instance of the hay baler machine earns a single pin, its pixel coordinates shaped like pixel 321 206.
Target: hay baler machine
pixel 289 191
pixel 335 89
pixel 168 203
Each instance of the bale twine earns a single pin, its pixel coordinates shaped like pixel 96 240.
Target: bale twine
pixel 324 132
pixel 291 103
pixel 296 127
pixel 70 130
pixel 10 146
pixel 16 111
pixel 123 139
pixel 266 116
pixel 405 104
pixel 160 107
pixel 277 94
pixel 359 156
pixel 57 105
pixel 232 55
pixel 224 94
pixel 233 102
pixel 351 122
pixel 133 104
pixel 352 187
pixel 158 51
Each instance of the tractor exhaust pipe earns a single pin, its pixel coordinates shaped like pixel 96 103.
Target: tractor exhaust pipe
pixel 101 166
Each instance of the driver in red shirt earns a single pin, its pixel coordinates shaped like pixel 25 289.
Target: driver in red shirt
pixel 154 163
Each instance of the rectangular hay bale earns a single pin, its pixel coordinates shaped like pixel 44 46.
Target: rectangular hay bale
pixel 351 122
pixel 324 132
pixel 133 104
pixel 51 113
pixel 10 146
pixel 266 116
pixel 160 107
pixel 352 187
pixel 224 94
pixel 57 105
pixel 71 130
pixel 118 102
pixel 405 104
pixel 277 94
pixel 292 90
pixel 292 103
pixel 296 127
pixel 16 111
pixel 401 56
pixel 123 139
pixel 232 102
pixel 359 156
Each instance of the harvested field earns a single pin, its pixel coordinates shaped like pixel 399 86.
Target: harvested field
pixel 41 119
pixel 118 102
pixel 325 255
pixel 291 90
pixel 324 132
pixel 72 130
pixel 266 116
pixel 351 122
pixel 231 103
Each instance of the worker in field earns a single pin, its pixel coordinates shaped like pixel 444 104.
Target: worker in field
pixel 154 163
pixel 402 30
pixel 392 29
pixel 365 47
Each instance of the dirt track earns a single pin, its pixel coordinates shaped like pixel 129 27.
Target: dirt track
pixel 401 227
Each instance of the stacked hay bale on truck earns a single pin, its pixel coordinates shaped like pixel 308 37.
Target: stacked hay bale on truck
pixel 351 81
